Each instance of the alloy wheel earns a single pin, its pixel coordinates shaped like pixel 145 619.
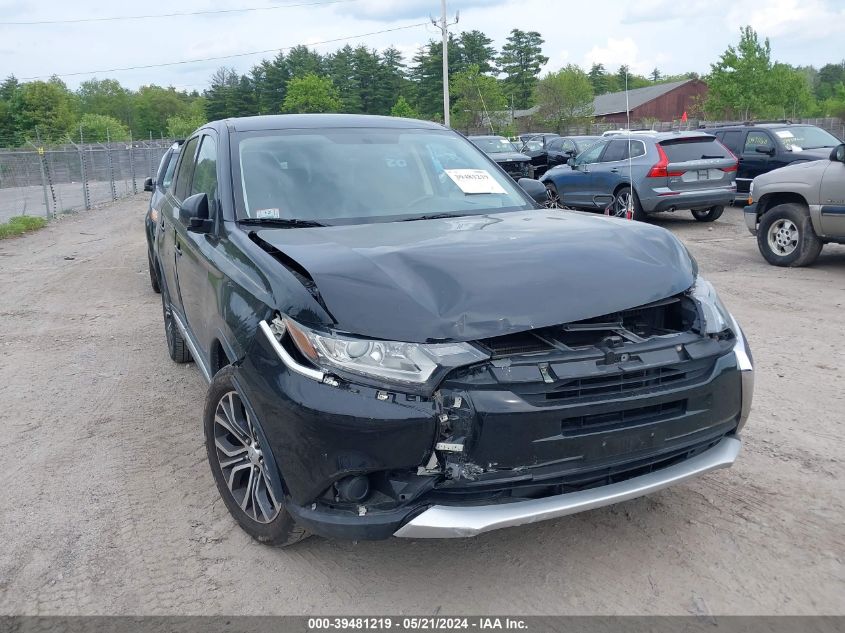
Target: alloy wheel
pixel 623 202
pixel 240 458
pixel 783 237
pixel 552 199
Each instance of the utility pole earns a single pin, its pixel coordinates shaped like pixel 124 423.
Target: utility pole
pixel 444 25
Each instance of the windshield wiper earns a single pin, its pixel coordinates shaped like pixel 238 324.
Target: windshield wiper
pixel 280 222
pixel 434 216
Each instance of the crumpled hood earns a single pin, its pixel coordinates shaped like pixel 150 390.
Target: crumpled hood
pixel 481 276
pixel 504 157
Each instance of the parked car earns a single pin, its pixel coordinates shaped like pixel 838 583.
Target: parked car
pixel 559 150
pixel 795 210
pixel 762 147
pixel 157 185
pixel 506 155
pixel 625 132
pixel 669 170
pixel 399 347
pixel 535 147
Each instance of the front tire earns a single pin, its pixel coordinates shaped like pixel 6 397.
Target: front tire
pixel 786 237
pixel 708 215
pixel 236 455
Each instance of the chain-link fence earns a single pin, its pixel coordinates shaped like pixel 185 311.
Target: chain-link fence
pixel 46 181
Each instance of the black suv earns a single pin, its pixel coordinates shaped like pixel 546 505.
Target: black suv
pixel 401 340
pixel 762 147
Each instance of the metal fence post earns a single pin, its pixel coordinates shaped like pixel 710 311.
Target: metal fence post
pixel 132 166
pixel 111 167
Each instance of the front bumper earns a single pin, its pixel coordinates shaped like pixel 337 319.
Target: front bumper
pixel 750 214
pixel 320 433
pixel 455 522
pixel 665 199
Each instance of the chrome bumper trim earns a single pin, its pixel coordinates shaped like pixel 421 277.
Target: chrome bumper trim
pixel 462 521
pixel 746 368
pixel 286 358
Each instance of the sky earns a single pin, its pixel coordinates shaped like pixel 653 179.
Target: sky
pixel 674 36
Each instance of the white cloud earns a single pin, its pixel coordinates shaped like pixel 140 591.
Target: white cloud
pixel 615 53
pixel 388 10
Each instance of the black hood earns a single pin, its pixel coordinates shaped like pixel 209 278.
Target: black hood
pixel 513 157
pixel 481 276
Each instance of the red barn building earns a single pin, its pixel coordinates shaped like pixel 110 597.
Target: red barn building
pixel 660 102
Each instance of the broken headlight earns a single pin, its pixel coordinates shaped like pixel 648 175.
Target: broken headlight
pixel 716 317
pixel 391 361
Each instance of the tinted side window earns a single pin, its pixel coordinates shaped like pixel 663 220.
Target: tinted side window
pixel 555 145
pixel 592 154
pixel 568 146
pixel 186 168
pixel 733 141
pixel 205 174
pixel 618 150
pixel 757 139
pixel 171 167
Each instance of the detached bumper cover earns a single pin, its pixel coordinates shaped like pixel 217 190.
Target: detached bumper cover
pixel 456 521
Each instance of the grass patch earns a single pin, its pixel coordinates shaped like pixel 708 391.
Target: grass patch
pixel 21 224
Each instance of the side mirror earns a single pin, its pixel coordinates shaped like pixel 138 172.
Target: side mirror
pixel 193 213
pixel 535 189
pixel 837 155
pixel 149 184
pixel 765 150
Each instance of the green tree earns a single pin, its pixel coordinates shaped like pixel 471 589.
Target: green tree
pixel 427 75
pixel 302 61
pixel 829 77
pixel 182 125
pixel 312 93
pixel 476 49
pixel 106 97
pixel 44 109
pixel 599 79
pixel 270 80
pixel 521 60
pixel 153 106
pixel 791 94
pixel 341 69
pixel 655 75
pixel 739 81
pixel 9 136
pixel 565 98
pixel 478 98
pixel 403 109
pixel 99 128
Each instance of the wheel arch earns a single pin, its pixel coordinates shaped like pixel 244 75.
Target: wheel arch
pixel 770 200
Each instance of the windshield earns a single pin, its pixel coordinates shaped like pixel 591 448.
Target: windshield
pixel 494 145
pixel 365 175
pixel 798 138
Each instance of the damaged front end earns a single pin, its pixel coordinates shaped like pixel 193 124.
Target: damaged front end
pixel 534 416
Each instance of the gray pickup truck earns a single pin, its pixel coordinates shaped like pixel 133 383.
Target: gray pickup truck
pixel 796 210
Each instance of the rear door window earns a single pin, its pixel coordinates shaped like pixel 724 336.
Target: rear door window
pixel 618 150
pixel 592 154
pixel 733 141
pixel 186 169
pixel 701 148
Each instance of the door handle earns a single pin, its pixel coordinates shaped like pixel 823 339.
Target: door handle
pixel 615 170
pixel 178 249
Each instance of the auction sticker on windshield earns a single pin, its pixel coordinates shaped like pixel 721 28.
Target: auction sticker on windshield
pixel 475 181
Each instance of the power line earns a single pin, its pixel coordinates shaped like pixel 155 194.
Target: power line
pixel 219 57
pixel 175 15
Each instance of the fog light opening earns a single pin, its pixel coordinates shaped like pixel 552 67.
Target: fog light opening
pixel 354 489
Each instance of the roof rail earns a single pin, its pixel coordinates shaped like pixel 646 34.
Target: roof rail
pixel 748 123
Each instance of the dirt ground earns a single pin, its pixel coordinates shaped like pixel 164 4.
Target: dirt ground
pixel 108 505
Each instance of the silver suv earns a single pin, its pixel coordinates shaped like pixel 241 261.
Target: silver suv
pixel 669 171
pixel 796 210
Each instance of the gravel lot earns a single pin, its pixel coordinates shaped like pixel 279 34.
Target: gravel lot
pixel 109 506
